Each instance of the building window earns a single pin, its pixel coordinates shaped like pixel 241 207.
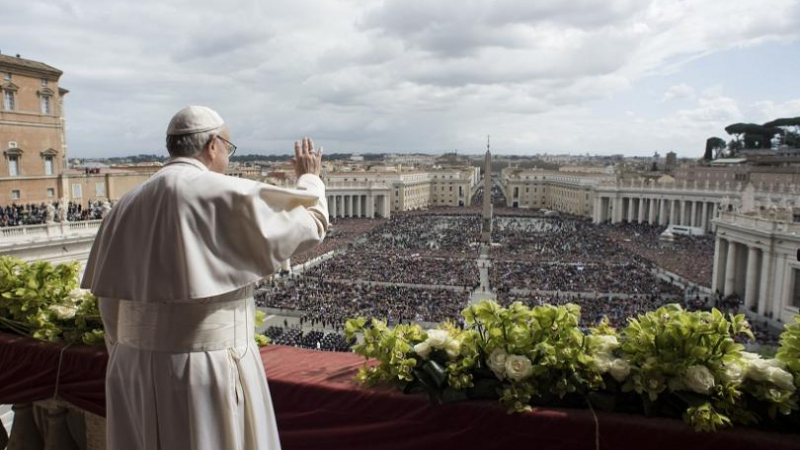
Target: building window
pixel 51 192
pixel 45 99
pixel 13 165
pixel 48 165
pixel 76 191
pixel 8 100
pixel 100 189
pixel 15 194
pixel 7 76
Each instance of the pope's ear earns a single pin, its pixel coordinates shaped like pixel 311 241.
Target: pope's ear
pixel 208 150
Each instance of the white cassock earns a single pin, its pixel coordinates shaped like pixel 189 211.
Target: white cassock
pixel 174 264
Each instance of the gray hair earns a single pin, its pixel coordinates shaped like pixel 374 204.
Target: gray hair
pixel 188 145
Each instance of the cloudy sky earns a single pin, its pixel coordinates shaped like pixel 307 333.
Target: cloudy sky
pixel 577 76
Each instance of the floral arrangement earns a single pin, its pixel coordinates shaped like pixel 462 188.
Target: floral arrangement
pixel 668 362
pixel 43 301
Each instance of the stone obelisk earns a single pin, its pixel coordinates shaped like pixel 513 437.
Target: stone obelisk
pixel 486 228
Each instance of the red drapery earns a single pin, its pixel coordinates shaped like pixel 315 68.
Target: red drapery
pixel 319 406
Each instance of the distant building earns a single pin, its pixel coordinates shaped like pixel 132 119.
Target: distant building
pixel 32 135
pixel 671 161
pixel 562 190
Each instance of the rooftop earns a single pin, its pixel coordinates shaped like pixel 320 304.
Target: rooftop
pixel 22 63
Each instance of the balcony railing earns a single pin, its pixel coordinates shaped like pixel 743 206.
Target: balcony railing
pixel 760 223
pixel 48 231
pixel 705 186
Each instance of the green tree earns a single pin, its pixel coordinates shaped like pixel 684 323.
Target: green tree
pixel 752 135
pixel 713 144
pixel 791 130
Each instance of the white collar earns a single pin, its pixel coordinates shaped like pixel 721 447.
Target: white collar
pixel 187 160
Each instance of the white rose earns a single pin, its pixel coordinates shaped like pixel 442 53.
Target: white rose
pixel 781 378
pixel 518 367
pixel 497 362
pixel 699 379
pixel 619 369
pixel 76 295
pixel 453 348
pixel 757 369
pixel 734 372
pixel 438 338
pixel 63 312
pixel 601 361
pixel 750 356
pixel 423 349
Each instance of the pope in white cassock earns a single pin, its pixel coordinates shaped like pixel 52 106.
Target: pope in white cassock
pixel 174 265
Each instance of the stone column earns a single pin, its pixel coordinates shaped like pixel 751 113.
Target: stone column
pixel 751 287
pixel 785 297
pixel 718 272
pixel 674 215
pixel 692 208
pixel 662 212
pixel 332 206
pixel 630 210
pixel 370 206
pixel 641 209
pixel 652 205
pixel 616 213
pixel 782 280
pixel 730 269
pixel 596 212
pixel 704 221
pixel 353 206
pixel 764 285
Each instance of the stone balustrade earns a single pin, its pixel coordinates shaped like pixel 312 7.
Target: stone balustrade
pixel 56 230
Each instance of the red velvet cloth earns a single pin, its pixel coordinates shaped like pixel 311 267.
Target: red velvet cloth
pixel 319 406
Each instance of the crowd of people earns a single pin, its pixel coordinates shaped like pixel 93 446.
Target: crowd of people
pixel 535 259
pixel 329 304
pixel 316 340
pixel 630 278
pixel 15 215
pixel 341 233
pixel 498 197
pixel 556 240
pixel 426 235
pixel 596 307
pixel 388 268
pixel 688 256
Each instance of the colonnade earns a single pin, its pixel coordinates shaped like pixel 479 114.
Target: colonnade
pixel 655 211
pixel 755 273
pixel 358 205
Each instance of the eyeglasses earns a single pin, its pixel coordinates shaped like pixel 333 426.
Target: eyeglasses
pixel 231 146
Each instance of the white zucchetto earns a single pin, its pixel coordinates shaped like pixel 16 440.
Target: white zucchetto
pixel 194 119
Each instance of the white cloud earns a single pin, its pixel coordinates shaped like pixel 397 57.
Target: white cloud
pixel 677 92
pixel 766 111
pixel 382 76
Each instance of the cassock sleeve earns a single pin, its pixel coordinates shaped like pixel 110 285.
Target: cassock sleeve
pixel 274 224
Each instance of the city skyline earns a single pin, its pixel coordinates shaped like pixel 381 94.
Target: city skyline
pixel 363 77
